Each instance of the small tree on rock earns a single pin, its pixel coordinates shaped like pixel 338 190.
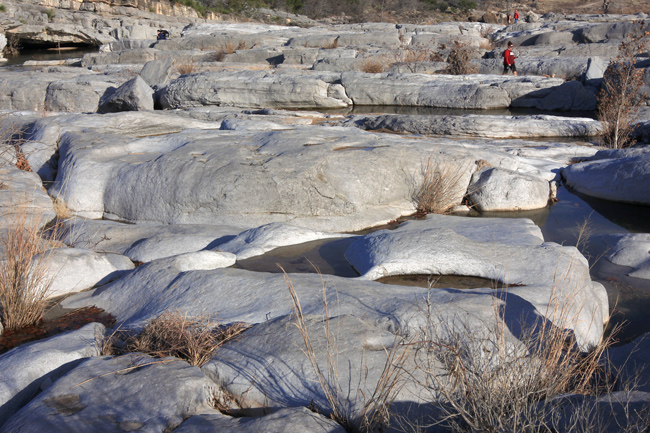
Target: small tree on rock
pixel 619 94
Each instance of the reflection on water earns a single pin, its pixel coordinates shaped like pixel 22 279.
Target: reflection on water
pixel 324 256
pixel 441 281
pixel 49 54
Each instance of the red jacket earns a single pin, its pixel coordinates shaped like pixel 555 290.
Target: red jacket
pixel 516 15
pixel 508 57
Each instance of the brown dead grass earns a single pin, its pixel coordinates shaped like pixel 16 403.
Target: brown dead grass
pixel 373 65
pixel 186 68
pixel 24 277
pixel 439 188
pixel 228 48
pixel 173 333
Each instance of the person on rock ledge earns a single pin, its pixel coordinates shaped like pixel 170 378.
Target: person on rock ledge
pixel 516 16
pixel 509 60
pixel 162 35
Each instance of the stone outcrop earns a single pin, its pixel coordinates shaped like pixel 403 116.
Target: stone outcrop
pixel 102 388
pixel 28 369
pixel 134 95
pixel 495 189
pixel 615 174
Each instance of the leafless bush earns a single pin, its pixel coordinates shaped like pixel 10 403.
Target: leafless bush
pixel 192 338
pixel 410 56
pixel 373 65
pixel 374 414
pixel 460 58
pixel 486 381
pixel 24 277
pixel 619 95
pixel 441 186
pixel 186 68
pixel 228 48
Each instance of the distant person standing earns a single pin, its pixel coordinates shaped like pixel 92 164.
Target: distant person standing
pixel 516 18
pixel 509 60
pixel 508 18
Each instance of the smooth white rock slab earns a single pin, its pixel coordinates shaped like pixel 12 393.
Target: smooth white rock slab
pixel 496 189
pixel 286 420
pixel 27 368
pixel 257 241
pixel 42 139
pixel 75 269
pixel 22 197
pixel 552 277
pixel 488 126
pixel 319 177
pixel 631 250
pixel 203 261
pixel 144 242
pixel 621 175
pixel 262 370
pixel 124 393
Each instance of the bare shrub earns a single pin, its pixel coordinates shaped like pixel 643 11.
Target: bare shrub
pixel 24 277
pixel 186 68
pixel 460 58
pixel 619 95
pixel 228 48
pixel 192 338
pixel 410 56
pixel 374 414
pixel 61 209
pixel 485 381
pixel 441 186
pixel 373 65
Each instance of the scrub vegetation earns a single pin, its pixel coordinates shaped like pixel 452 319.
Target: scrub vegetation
pixel 173 333
pixel 24 277
pixel 479 377
pixel 620 95
pixel 441 186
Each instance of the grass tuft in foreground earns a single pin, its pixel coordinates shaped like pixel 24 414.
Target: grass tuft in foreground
pixel 440 187
pixel 24 277
pixel 173 333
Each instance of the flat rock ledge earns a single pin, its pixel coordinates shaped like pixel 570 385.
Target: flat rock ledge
pixel 471 125
pixel 277 89
pixel 621 175
pixel 547 275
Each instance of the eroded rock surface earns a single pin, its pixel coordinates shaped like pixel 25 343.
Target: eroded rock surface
pixel 615 174
pixel 105 394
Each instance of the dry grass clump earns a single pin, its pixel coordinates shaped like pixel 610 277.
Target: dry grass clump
pixel 619 95
pixel 191 338
pixel 186 68
pixel 460 58
pixel 373 65
pixel 373 412
pixel 410 56
pixel 491 384
pixel 228 48
pixel 440 187
pixel 24 277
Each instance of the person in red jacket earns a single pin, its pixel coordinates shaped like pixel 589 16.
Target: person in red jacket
pixel 516 16
pixel 509 60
